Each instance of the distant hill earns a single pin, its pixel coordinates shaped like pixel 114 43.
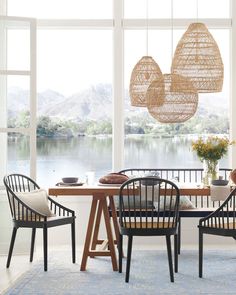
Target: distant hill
pixel 93 103
pixel 48 99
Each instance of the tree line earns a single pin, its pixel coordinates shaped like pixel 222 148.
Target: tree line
pixel 144 124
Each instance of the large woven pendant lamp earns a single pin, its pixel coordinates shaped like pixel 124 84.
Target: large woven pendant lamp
pixel 180 100
pixel 198 57
pixel 180 97
pixel 144 72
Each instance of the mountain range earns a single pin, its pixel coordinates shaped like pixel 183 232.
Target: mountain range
pixel 94 103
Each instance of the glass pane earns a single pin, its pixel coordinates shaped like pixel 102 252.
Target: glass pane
pixel 18 148
pixel 15 154
pixel 61 8
pixel 74 103
pixel 66 157
pixel 153 144
pixel 18 49
pixel 186 9
pixel 15 104
pixel 201 8
pixel 214 9
pixel 181 8
pixel 68 62
pixel 15 45
pixel 138 8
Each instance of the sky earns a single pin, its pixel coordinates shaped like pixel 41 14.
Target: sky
pixel 69 61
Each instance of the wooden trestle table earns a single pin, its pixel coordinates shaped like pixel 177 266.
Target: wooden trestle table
pixel 102 198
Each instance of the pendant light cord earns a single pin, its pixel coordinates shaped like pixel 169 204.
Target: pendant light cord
pixel 172 28
pixel 147 8
pixel 197 9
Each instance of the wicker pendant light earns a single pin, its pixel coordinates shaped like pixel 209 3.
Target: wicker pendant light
pixel 144 72
pixel 198 57
pixel 180 100
pixel 156 92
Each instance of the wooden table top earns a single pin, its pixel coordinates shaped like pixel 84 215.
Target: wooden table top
pixel 86 190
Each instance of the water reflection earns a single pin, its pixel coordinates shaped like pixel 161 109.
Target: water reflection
pixel 60 157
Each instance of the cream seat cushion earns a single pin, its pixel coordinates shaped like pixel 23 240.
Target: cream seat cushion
pixel 37 200
pixel 168 203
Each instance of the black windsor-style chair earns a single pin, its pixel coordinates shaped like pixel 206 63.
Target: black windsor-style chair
pixel 148 206
pixel 221 222
pixel 25 216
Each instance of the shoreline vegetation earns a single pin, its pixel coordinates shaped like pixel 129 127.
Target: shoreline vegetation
pixel 137 126
pixel 89 113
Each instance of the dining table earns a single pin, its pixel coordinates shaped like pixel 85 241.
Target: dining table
pixel 103 204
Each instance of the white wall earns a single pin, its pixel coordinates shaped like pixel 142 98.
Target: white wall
pixel 23 235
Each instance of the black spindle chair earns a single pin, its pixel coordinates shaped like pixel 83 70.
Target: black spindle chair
pixel 24 216
pixel 138 218
pixel 221 222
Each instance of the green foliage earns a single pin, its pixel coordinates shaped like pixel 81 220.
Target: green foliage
pixel 23 119
pixel 45 127
pixel 138 124
pixel 101 127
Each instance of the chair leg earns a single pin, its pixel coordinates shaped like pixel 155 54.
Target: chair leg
pixel 168 244
pixel 179 235
pixel 130 241
pixel 200 253
pixel 120 248
pixel 45 247
pixel 13 237
pixel 32 244
pixel 176 252
pixel 73 241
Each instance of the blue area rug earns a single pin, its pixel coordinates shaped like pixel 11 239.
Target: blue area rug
pixel 149 275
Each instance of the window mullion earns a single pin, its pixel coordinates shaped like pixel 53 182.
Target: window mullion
pixel 118 86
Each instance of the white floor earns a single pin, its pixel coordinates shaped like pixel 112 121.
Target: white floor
pixel 19 265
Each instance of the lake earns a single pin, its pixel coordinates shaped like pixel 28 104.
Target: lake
pixel 60 157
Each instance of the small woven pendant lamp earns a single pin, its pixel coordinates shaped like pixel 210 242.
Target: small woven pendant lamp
pixel 198 57
pixel 144 72
pixel 180 100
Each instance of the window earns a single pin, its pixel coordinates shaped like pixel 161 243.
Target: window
pixel 75 96
pixel 77 77
pixel 18 95
pixel 61 9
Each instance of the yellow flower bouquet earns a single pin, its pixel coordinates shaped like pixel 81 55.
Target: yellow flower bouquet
pixel 210 151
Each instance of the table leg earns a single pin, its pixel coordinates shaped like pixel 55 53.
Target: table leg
pixel 114 218
pixel 89 234
pixel 109 235
pixel 115 221
pixel 96 228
